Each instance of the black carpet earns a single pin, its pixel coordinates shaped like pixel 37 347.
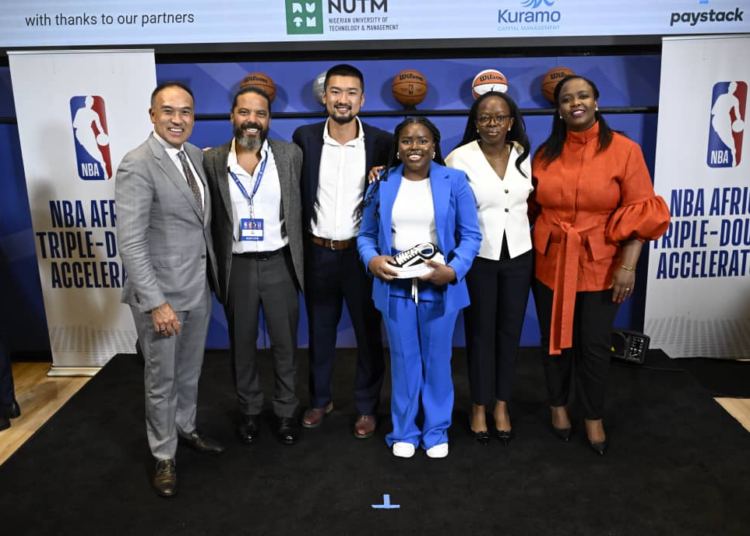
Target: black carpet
pixel 677 465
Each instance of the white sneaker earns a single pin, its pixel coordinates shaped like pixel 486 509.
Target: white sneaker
pixel 438 451
pixel 403 450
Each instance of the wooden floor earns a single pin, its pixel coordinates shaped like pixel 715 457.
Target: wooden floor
pixel 40 397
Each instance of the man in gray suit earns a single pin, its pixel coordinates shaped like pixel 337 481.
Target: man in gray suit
pixel 257 231
pixel 164 238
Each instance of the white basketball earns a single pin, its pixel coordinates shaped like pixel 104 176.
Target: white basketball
pixel 318 87
pixel 738 125
pixel 102 139
pixel 488 80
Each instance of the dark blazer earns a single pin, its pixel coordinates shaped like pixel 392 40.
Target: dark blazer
pixel 378 144
pixel 457 226
pixel 288 159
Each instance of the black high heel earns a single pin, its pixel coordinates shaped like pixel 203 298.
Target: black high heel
pixel 504 436
pixel 482 437
pixel 600 447
pixel 13 411
pixel 563 433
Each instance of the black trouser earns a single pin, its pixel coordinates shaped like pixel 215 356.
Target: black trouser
pixel 590 356
pixel 331 279
pixel 499 292
pixel 7 393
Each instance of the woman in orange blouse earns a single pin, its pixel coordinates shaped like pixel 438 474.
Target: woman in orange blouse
pixel 593 206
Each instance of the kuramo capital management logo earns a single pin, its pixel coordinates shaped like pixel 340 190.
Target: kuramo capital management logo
pixel 534 15
pixel 89 120
pixel 727 125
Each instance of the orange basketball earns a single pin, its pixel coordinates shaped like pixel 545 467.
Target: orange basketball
pixel 550 80
pixel 409 87
pixel 488 80
pixel 261 81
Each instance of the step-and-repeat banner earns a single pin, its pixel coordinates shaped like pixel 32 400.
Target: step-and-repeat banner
pixel 698 300
pixel 28 23
pixel 76 120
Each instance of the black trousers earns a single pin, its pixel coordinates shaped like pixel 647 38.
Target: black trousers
pixel 589 358
pixel 270 284
pixel 499 292
pixel 7 392
pixel 332 278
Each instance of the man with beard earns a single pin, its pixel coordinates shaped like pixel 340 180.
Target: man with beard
pixel 257 232
pixel 338 152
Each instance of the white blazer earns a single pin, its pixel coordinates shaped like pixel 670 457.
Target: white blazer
pixel 501 203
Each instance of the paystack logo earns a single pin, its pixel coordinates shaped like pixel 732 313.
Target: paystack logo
pixel 304 17
pixel 727 126
pixel 694 18
pixel 89 117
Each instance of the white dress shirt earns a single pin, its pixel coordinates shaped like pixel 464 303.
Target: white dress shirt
pixel 501 202
pixel 172 153
pixel 266 203
pixel 341 186
pixel 413 215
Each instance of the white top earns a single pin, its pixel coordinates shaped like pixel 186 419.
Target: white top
pixel 341 186
pixel 266 203
pixel 413 216
pixel 501 203
pixel 172 153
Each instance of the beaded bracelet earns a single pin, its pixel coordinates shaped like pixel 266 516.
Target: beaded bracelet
pixel 628 268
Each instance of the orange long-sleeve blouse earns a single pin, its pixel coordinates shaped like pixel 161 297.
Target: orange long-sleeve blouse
pixel 585 204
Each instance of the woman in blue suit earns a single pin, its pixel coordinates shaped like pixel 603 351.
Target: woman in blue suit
pixel 418 202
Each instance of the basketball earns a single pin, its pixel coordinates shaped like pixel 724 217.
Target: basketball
pixel 318 87
pixel 102 139
pixel 261 81
pixel 550 80
pixel 738 125
pixel 488 80
pixel 409 87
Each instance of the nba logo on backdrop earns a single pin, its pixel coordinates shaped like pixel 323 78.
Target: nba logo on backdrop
pixel 727 126
pixel 89 117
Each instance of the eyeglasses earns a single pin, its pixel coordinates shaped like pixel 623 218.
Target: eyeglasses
pixel 485 120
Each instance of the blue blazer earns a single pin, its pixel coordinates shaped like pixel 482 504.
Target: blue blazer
pixel 456 222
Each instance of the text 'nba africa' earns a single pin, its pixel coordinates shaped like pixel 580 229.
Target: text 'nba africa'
pixel 694 17
pixel 75 252
pixel 708 237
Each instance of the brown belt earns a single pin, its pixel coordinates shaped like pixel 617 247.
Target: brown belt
pixel 335 245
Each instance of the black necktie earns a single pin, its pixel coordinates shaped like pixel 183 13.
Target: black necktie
pixel 191 181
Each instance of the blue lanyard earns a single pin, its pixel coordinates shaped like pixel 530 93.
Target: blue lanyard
pixel 259 177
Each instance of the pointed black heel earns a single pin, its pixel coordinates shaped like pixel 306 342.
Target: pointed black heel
pixel 563 433
pixel 504 436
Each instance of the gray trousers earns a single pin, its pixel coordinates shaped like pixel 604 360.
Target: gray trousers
pixel 171 375
pixel 270 284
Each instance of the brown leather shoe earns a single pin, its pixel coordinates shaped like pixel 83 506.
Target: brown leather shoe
pixel 313 417
pixel 364 426
pixel 165 478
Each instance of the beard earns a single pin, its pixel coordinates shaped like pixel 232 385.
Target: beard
pixel 348 117
pixel 250 143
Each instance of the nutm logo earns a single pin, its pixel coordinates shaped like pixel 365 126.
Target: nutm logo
pixel 304 17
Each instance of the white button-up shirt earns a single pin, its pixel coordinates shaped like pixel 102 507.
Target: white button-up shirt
pixel 341 186
pixel 501 203
pixel 266 203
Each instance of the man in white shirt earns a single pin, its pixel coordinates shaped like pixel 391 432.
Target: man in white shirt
pixel 257 232
pixel 164 239
pixel 337 154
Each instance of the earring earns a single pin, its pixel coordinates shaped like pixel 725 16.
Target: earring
pixel 398 155
pixel 560 116
pixel 597 109
pixel 433 156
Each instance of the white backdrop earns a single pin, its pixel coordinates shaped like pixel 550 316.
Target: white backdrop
pixel 698 300
pixel 78 113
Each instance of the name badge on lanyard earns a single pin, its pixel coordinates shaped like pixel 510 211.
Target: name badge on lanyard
pixel 251 229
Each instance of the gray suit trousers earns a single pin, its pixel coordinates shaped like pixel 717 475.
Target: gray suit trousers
pixel 172 371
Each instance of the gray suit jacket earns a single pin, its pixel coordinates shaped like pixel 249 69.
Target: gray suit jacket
pixel 288 159
pixel 166 249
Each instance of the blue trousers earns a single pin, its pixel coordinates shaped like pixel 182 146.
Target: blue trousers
pixel 422 394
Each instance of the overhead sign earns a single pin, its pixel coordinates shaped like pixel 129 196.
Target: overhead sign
pixel 36 23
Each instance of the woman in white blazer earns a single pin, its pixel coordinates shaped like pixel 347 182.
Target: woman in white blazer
pixel 494 154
